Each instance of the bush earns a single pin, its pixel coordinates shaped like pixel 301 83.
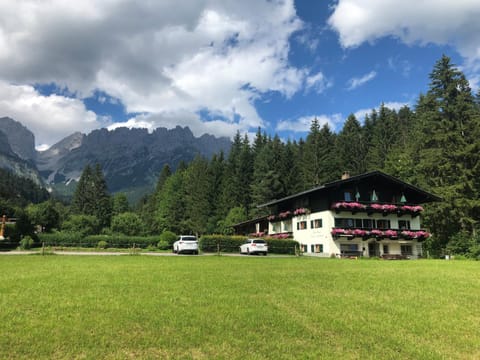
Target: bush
pixel 225 243
pixel 281 246
pixel 164 245
pixel 128 224
pixel 102 244
pixel 168 237
pixel 92 241
pixel 26 243
pixel 151 248
pixel 61 239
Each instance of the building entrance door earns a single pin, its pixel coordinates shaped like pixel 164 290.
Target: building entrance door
pixel 373 249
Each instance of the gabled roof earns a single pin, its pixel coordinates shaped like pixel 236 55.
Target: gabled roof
pixel 428 197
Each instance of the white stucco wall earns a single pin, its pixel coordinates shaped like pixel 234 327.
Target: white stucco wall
pixel 322 236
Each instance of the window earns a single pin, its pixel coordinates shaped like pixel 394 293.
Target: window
pixel 358 223
pixel 404 224
pixel 276 227
pixel 304 248
pixel 301 225
pixel 406 249
pixel 344 223
pixel 315 224
pixel 385 249
pixel 316 248
pixel 348 247
pixel 348 195
pixel 287 226
pixel 383 224
pixel 369 223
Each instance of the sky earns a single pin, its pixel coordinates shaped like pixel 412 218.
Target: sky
pixel 222 66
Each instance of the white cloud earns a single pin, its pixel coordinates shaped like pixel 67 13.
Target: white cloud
pixel 413 22
pixel 303 123
pixel 317 82
pixel 161 57
pixel 50 118
pixel 355 82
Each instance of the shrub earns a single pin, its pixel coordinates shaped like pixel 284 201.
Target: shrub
pixel 92 241
pixel 225 243
pixel 163 245
pixel 102 244
pixel 26 243
pixel 281 246
pixel 168 237
pixel 61 239
pixel 128 223
pixel 81 224
pixel 151 248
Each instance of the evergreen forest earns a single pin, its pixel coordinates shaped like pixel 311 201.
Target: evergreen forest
pixel 434 145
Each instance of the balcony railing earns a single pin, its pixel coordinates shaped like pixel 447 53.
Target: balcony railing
pixel 370 208
pixel 380 234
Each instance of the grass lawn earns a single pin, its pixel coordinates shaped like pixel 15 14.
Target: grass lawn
pixel 209 307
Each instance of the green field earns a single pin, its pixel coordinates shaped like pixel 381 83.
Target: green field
pixel 210 307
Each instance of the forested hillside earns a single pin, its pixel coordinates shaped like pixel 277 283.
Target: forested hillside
pixel 434 145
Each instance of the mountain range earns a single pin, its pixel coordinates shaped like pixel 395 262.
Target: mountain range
pixel 131 159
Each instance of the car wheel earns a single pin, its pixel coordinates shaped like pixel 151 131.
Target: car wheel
pixel 248 251
pixel 264 254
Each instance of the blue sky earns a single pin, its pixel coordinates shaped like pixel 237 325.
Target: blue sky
pixel 221 66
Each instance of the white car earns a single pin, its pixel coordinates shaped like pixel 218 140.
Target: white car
pixel 186 244
pixel 254 246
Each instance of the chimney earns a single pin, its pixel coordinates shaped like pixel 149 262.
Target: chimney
pixel 345 175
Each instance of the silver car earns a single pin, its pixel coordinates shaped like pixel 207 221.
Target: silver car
pixel 254 246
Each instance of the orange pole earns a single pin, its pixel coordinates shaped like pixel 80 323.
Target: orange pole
pixel 2 229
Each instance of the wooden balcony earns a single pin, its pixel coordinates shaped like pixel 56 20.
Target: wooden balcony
pixel 379 234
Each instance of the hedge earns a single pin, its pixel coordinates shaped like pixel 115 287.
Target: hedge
pixel 225 243
pixel 113 241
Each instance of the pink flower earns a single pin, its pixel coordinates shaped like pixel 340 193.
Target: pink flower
pixel 359 232
pixel 376 232
pixel 390 233
pixel 338 231
pixel 389 208
pixel 421 234
pixel 300 211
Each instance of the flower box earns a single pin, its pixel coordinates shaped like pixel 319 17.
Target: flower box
pixel 392 234
pixel 285 215
pixel 301 211
pixel 348 206
pixel 412 210
pixel 376 233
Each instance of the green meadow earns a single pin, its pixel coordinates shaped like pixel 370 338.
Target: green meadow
pixel 221 307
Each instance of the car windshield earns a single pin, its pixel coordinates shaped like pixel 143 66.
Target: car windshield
pixel 189 238
pixel 259 241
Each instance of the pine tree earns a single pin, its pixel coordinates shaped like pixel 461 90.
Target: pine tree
pixel 91 196
pixel 319 160
pixel 170 213
pixel 447 144
pixel 198 207
pixel 351 147
pixel 383 138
